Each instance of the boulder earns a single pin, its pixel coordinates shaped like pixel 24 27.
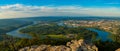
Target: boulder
pixel 74 45
pixel 118 49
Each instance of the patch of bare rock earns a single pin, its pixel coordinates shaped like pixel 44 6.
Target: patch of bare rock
pixel 74 45
pixel 118 49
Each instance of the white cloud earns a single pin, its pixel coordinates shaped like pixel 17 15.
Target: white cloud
pixel 19 10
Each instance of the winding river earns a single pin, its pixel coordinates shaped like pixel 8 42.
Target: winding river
pixel 16 33
pixel 104 36
pixel 101 34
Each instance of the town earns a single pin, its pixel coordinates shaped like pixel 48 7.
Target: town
pixel 107 25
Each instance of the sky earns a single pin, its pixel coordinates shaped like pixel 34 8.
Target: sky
pixel 33 8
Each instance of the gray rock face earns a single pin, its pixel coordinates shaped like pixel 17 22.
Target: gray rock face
pixel 74 45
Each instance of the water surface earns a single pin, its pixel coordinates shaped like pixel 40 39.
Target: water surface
pixel 103 35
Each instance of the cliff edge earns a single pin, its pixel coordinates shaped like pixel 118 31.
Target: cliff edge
pixel 74 45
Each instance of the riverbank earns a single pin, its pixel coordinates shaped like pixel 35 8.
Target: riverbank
pixel 104 36
pixel 16 33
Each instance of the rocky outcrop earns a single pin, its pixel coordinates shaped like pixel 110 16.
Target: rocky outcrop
pixel 118 49
pixel 74 45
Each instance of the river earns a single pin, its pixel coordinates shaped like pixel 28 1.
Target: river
pixel 101 34
pixel 16 33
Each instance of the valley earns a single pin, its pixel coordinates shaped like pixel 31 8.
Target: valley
pixel 26 32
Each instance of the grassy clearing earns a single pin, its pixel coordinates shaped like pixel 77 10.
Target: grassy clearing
pixel 56 36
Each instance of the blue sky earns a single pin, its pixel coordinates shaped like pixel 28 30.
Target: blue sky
pixel 29 8
pixel 97 3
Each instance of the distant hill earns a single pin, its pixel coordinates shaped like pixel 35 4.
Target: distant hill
pixel 7 25
pixel 60 18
